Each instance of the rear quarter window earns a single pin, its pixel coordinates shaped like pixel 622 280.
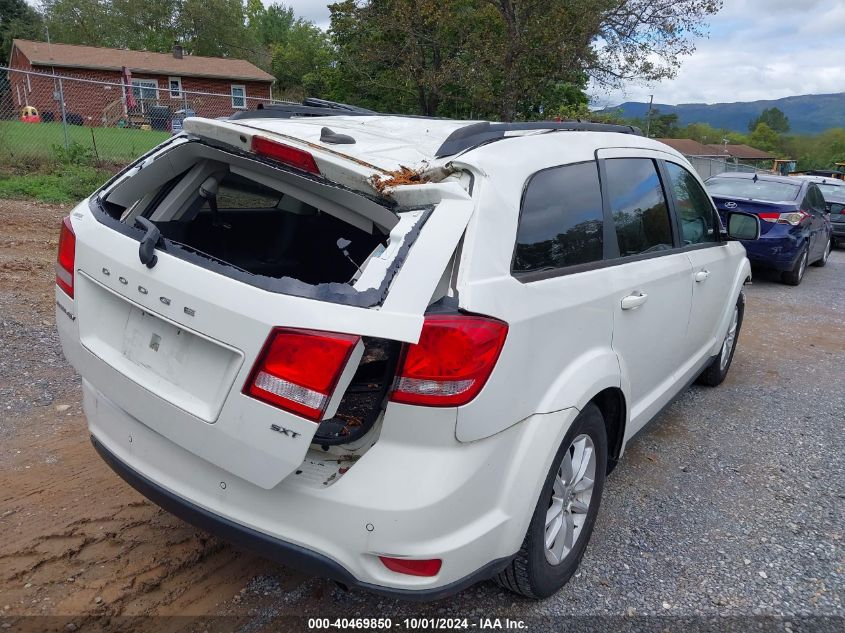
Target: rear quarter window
pixel 561 222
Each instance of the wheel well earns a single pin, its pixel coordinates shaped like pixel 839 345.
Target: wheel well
pixel 611 403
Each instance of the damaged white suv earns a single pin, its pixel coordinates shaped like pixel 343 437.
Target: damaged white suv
pixel 407 380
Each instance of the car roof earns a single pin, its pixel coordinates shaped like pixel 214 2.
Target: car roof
pixel 823 180
pixel 388 141
pixel 767 177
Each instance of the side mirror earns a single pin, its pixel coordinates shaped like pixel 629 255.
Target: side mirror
pixel 743 226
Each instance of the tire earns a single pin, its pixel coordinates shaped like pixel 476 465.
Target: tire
pixel 793 277
pixel 718 368
pixel 532 573
pixel 823 261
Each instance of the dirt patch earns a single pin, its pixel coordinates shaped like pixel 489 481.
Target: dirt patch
pixel 77 539
pixel 28 245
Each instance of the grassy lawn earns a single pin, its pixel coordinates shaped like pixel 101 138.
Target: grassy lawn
pixel 58 183
pixel 114 145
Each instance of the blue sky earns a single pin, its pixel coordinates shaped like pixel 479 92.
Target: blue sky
pixel 757 49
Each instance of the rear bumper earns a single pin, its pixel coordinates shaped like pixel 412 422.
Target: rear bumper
pixel 417 493
pixel 838 230
pixel 276 549
pixel 779 252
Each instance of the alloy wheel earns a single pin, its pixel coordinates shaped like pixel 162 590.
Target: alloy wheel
pixel 572 493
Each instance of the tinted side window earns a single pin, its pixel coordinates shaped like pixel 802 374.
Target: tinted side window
pixel 695 213
pixel 561 220
pixel 816 199
pixel 639 207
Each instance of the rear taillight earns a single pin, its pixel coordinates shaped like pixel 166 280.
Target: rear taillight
pixel 65 258
pixel 290 156
pixel 298 370
pixel 793 217
pixel 451 362
pixel 412 567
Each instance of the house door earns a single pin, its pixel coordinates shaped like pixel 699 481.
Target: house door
pixel 145 92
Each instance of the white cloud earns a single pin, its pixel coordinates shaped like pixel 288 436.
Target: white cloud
pixel 758 49
pixel 316 11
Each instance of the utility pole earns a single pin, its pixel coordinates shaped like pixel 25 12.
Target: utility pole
pixel 648 116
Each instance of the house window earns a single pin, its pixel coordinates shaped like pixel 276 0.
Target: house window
pixel 238 97
pixel 145 92
pixel 175 84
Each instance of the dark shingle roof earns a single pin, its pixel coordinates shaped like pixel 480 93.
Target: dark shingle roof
pixel 743 152
pixel 689 147
pixel 95 58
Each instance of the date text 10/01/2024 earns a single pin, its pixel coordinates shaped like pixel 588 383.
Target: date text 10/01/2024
pixel 415 624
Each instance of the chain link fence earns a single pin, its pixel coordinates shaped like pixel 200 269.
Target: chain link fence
pixel 47 116
pixel 51 116
pixel 707 167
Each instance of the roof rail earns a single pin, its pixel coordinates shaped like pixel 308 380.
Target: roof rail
pixel 477 134
pixel 308 108
pixel 323 103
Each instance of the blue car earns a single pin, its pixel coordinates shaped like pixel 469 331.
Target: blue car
pixel 795 228
pixel 833 191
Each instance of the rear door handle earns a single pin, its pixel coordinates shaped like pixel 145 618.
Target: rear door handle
pixel 702 275
pixel 634 300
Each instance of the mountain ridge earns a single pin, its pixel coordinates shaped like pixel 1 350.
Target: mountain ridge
pixel 808 114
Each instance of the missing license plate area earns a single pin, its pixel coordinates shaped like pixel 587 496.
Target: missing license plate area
pixel 192 372
pixel 155 344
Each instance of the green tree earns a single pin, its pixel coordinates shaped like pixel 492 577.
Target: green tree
pixel 215 28
pixel 148 25
pixel 88 22
pixel 774 118
pixel 17 20
pixel 302 62
pixel 270 25
pixel 411 55
pixel 764 137
pixel 702 132
pixel 820 151
pixel 663 125
pixel 507 58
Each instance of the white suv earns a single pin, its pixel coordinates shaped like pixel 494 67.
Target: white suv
pixel 404 380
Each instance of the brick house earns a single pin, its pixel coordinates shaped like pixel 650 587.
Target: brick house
pixel 107 87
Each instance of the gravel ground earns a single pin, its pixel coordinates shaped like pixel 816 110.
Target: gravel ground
pixel 731 503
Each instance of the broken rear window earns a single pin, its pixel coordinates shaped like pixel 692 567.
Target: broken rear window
pixel 264 225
